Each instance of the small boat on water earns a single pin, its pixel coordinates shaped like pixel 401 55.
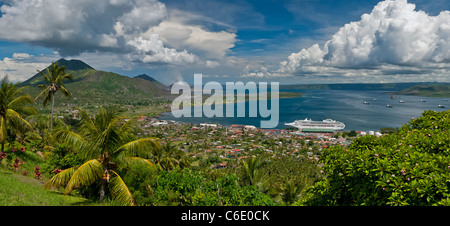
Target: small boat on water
pixel 389 106
pixel 365 102
pixel 422 100
pixel 441 106
pixel 401 101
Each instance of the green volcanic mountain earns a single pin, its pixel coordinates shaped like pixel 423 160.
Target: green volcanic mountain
pixel 74 67
pixel 91 88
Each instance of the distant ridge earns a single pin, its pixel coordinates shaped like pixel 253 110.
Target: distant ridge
pixel 152 80
pixel 146 77
pixel 431 90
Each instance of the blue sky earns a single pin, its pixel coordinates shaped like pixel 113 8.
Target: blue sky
pixel 290 41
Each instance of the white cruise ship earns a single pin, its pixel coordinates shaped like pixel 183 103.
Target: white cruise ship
pixel 308 124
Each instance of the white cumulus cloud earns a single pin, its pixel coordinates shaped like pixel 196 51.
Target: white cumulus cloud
pixel 152 50
pixel 394 33
pixel 176 33
pixel 21 66
pixel 141 30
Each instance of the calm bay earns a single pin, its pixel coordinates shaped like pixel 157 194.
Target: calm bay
pixel 346 106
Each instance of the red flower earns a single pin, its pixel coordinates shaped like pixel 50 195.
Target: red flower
pixel 16 164
pixel 37 174
pixel 3 155
pixel 56 171
pixel 22 149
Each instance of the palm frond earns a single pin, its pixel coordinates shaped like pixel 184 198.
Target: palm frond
pixel 137 160
pixel 43 91
pixel 141 147
pixel 87 122
pixel 65 91
pixel 120 191
pixel 251 167
pixel 74 140
pixel 61 179
pixel 47 77
pixel 18 91
pixel 14 116
pixel 28 110
pixel 20 101
pixel 47 98
pixel 128 125
pixel 109 139
pixel 65 76
pixel 85 175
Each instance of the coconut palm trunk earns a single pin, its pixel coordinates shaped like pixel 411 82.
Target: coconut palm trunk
pixel 3 132
pixel 51 118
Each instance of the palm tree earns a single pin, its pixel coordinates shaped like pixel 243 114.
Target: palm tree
pixel 13 103
pixel 252 170
pixel 169 157
pixel 54 79
pixel 290 192
pixel 106 141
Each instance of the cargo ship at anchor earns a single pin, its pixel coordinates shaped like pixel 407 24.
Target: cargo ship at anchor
pixel 308 124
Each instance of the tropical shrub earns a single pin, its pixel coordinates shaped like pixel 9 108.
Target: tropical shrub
pixel 60 158
pixel 289 172
pixel 185 187
pixel 408 167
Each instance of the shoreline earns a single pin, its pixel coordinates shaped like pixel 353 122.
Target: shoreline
pixel 412 105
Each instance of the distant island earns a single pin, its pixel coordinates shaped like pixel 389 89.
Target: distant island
pixel 433 90
pixel 358 86
pixel 426 89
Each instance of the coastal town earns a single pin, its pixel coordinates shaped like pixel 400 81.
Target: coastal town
pixel 219 146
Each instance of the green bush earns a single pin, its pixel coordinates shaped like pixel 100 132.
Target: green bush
pixel 408 167
pixel 60 158
pixel 191 188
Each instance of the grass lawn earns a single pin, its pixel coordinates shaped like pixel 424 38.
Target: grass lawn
pixel 19 190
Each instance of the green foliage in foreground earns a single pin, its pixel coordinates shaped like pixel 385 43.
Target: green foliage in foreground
pixel 106 143
pixel 191 188
pixel 18 190
pixel 409 167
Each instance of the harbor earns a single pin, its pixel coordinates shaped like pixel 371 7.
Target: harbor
pixel 345 106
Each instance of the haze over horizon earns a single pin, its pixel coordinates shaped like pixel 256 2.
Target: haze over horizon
pixel 290 41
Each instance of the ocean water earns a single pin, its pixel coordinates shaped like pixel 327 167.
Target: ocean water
pixel 346 106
